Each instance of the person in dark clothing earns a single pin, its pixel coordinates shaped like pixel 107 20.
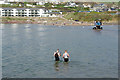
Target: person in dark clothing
pixel 57 55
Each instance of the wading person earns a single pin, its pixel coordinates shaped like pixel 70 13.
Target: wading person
pixel 57 55
pixel 66 56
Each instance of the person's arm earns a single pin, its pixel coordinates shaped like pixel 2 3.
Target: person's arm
pixel 60 54
pixel 68 55
pixel 63 56
pixel 95 23
pixel 100 23
pixel 54 53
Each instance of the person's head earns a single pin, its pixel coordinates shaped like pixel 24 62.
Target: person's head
pixel 57 50
pixel 65 51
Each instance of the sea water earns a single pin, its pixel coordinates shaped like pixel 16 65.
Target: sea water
pixel 27 51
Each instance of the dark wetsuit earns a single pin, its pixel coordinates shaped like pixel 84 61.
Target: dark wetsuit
pixel 57 57
pixel 66 59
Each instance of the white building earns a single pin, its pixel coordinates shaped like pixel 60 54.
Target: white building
pixel 99 8
pixel 71 4
pixel 86 5
pixel 26 12
pixel 40 3
pixel 3 2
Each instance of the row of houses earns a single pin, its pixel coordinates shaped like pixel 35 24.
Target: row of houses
pixel 103 7
pixel 73 4
pixel 28 12
pixel 96 7
pixel 37 2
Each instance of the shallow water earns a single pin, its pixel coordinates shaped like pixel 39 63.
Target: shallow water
pixel 27 51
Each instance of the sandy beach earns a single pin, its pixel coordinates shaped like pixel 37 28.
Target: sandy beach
pixel 50 21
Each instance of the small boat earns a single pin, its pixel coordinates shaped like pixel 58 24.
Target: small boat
pixel 95 28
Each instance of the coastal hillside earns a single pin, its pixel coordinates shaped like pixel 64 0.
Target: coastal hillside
pixel 63 0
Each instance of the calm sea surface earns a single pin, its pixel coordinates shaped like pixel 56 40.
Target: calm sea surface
pixel 27 51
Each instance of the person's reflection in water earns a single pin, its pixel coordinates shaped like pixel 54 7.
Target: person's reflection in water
pixel 97 32
pixel 66 66
pixel 56 65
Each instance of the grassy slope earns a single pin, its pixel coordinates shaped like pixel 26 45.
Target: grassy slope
pixel 105 16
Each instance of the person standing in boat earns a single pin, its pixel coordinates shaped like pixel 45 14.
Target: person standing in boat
pixel 66 56
pixel 98 24
pixel 57 55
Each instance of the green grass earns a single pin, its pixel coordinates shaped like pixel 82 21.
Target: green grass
pixel 90 16
pixel 8 5
pixel 12 18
